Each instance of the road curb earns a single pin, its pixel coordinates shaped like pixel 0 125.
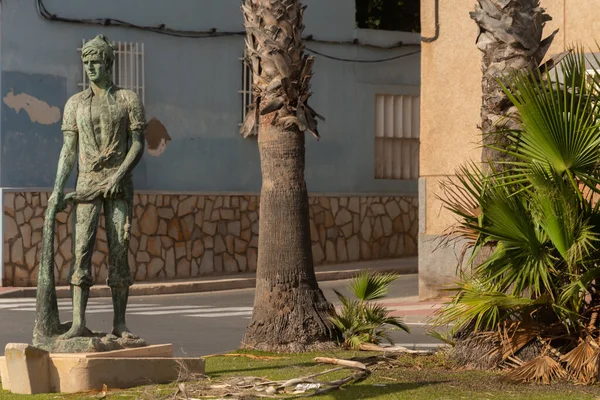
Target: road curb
pixel 402 266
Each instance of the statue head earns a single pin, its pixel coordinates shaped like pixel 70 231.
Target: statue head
pixel 98 56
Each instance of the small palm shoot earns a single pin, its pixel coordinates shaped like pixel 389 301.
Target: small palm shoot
pixel 362 320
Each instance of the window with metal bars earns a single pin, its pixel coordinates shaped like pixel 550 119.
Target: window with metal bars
pixel 128 69
pixel 246 92
pixel 396 137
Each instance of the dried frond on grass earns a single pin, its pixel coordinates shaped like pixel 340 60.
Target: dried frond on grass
pixel 252 356
pixel 543 369
pixel 185 375
pixel 250 387
pixel 582 362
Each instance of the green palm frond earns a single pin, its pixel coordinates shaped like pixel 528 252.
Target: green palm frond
pixel 462 196
pixel 559 114
pixel 445 337
pixel 378 314
pixel 371 286
pixel 483 306
pixel 579 285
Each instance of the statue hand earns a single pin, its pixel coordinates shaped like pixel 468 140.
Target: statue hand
pixel 113 186
pixel 57 201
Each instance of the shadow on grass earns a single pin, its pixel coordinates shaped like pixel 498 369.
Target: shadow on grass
pixel 370 391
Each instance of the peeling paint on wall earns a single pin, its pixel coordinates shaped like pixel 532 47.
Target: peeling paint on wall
pixel 31 138
pixel 157 137
pixel 39 111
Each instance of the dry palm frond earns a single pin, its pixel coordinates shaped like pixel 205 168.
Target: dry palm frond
pixel 543 369
pixel 582 361
pixel 593 318
pixel 514 336
pixel 477 349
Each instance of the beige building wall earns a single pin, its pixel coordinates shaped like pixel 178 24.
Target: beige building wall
pixel 450 112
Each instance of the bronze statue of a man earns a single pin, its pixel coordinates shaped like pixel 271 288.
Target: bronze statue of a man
pixel 106 124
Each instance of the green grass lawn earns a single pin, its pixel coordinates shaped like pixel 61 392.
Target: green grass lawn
pixel 408 377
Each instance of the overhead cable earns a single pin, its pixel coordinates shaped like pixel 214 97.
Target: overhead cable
pixel 162 29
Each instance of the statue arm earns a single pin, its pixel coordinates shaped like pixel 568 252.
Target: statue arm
pixel 66 162
pixel 68 154
pixel 133 155
pixel 131 160
pixel 137 124
pixel 136 127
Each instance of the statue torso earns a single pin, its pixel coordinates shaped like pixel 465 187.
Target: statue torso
pixel 104 124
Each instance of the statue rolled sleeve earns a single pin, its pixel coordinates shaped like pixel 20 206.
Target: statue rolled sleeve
pixel 137 117
pixel 69 122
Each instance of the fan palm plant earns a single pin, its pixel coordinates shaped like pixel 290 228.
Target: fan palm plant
pixel 363 321
pixel 542 217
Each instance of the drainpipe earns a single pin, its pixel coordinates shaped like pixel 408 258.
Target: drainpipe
pixel 437 24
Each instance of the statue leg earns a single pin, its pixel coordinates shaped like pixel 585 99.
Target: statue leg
pixel 119 275
pixel 85 225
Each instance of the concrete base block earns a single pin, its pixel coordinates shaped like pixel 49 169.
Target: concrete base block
pixel 155 350
pixel 27 368
pixel 4 374
pixel 72 373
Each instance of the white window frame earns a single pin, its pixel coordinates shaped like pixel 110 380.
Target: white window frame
pixel 128 69
pixel 397 136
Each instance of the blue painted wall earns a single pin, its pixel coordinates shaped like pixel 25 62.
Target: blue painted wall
pixel 192 88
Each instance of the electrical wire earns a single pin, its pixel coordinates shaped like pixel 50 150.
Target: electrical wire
pixel 212 33
pixel 362 61
pixel 161 29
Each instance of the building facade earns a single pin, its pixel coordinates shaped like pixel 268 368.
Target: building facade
pixel 196 204
pixel 450 112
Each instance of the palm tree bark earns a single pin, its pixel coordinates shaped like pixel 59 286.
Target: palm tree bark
pixel 510 38
pixel 290 313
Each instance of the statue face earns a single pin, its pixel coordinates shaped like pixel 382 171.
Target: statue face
pixel 96 68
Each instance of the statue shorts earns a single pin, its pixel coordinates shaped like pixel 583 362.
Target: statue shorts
pixel 86 218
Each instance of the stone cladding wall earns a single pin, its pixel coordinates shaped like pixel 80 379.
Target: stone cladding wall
pixel 182 236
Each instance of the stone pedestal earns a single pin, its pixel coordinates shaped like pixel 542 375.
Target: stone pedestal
pixel 27 370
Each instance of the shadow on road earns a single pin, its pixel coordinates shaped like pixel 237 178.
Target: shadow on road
pixel 222 372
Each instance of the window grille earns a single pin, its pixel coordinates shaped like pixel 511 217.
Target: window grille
pixel 396 137
pixel 128 69
pixel 246 92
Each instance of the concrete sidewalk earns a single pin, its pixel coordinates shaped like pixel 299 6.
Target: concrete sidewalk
pixel 407 265
pixel 412 310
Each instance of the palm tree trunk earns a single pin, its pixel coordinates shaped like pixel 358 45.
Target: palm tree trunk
pixel 510 38
pixel 290 311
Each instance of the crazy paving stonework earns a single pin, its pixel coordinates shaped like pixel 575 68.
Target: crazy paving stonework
pixel 183 236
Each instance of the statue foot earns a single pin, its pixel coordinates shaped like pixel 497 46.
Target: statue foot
pixel 75 331
pixel 121 331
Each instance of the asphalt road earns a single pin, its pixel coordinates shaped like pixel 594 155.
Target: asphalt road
pixel 197 324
